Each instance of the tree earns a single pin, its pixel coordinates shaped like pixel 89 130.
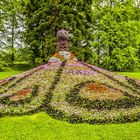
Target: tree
pixel 116 36
pixel 45 17
pixel 12 27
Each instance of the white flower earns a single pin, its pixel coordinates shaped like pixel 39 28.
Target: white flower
pixel 54 59
pixel 75 59
pixel 65 54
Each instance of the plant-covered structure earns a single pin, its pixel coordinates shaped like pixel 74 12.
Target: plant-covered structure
pixel 72 91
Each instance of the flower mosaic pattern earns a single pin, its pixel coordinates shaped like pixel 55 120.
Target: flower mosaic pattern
pixel 96 91
pixel 21 94
pixel 72 91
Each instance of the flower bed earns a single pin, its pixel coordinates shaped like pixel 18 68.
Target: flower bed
pixel 94 91
pixel 21 94
pixel 61 56
pixel 72 91
pixel 5 81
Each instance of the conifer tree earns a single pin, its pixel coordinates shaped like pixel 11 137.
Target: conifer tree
pixel 45 17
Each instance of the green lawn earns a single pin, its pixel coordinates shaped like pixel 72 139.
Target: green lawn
pixel 42 127
pixel 8 73
pixel 135 75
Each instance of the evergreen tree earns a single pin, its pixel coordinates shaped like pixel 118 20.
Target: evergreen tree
pixel 45 17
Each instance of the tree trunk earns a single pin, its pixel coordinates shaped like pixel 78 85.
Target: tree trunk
pixel 12 44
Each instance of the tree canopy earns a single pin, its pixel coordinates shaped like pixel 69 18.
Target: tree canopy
pixel 45 17
pixel 105 33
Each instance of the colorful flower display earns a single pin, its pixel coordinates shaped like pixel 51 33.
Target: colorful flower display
pixel 61 56
pixel 72 91
pixel 21 94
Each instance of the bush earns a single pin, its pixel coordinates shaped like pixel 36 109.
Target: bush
pixel 122 60
pixel 38 60
pixel 2 65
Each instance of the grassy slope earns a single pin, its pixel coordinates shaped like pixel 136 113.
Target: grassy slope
pixel 42 127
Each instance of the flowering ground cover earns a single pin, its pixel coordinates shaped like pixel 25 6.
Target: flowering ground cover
pixel 42 126
pixel 72 91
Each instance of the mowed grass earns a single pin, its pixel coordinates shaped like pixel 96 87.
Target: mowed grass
pixel 9 73
pixel 135 75
pixel 41 126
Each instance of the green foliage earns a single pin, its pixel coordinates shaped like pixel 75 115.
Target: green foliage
pixel 12 26
pixel 122 60
pixel 23 56
pixel 2 65
pixel 106 33
pixel 45 18
pixel 117 34
pixel 38 60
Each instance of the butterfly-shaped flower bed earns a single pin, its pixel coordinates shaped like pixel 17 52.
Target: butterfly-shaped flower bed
pixel 72 91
